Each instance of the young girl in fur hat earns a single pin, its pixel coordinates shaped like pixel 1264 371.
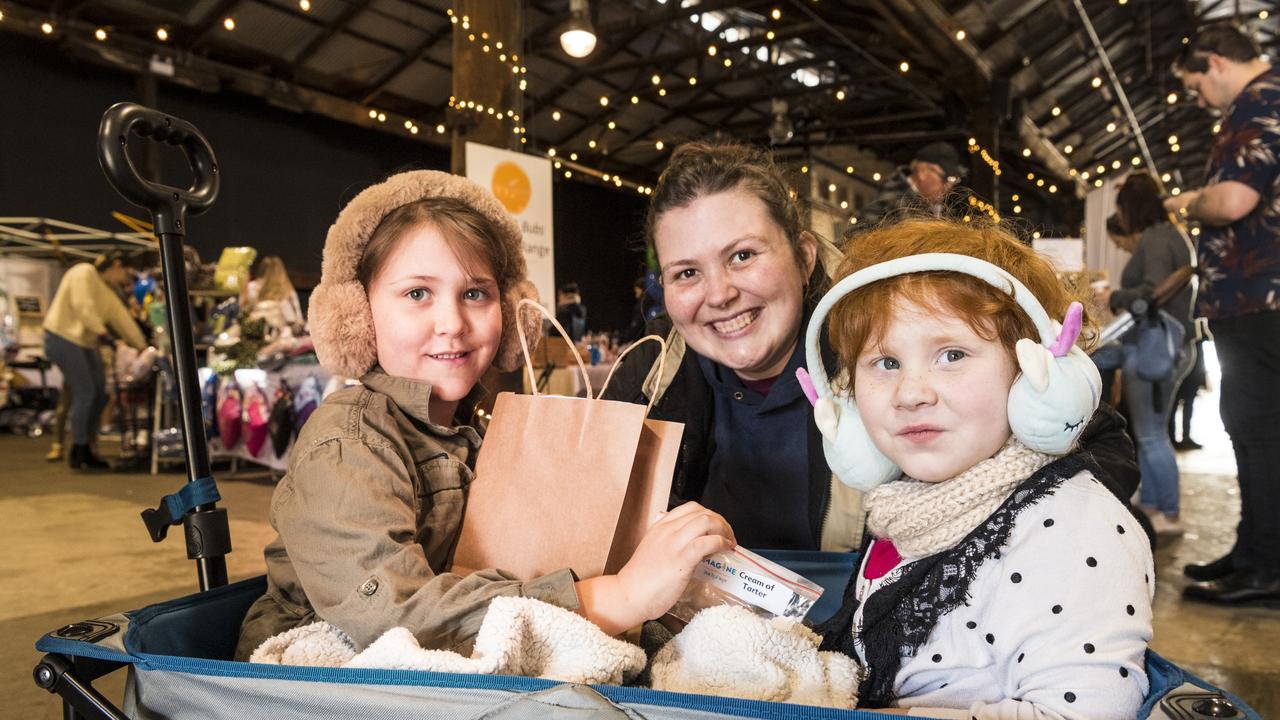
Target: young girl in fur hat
pixel 1002 582
pixel 419 283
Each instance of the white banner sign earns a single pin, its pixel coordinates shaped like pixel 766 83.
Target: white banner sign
pixel 522 184
pixel 1066 254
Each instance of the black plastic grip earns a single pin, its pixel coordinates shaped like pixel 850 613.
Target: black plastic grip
pixel 168 205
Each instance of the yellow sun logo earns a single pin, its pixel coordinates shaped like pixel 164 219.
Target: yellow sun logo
pixel 511 186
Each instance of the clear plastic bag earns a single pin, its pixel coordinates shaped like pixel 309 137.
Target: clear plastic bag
pixel 741 577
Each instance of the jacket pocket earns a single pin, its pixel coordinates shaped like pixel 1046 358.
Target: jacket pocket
pixel 442 498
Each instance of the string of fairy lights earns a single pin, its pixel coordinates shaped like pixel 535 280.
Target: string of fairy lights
pixel 567 161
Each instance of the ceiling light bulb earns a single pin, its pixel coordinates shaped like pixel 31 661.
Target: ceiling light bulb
pixel 555 115
pixel 960 35
pixel 46 28
pixel 229 23
pixel 578 38
pixel 904 66
pixel 604 101
pixel 306 5
pixel 1096 82
pixel 1111 127
pixel 100 34
pixel 1068 149
pixel 658 145
pixel 440 128
pixel 162 34
pixel 1172 98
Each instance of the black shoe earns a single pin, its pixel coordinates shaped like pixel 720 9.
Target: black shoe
pixel 1210 571
pixel 82 458
pixel 1187 444
pixel 1239 587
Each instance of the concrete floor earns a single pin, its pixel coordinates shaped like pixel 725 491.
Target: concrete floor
pixel 74 548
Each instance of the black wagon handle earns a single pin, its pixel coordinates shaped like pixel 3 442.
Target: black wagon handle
pixel 205 525
pixel 168 205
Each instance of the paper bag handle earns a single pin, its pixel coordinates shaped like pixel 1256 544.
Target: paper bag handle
pixel 662 364
pixel 524 344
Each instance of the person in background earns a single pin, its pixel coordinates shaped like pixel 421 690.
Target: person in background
pixel 1239 213
pixel 925 187
pixel 1185 399
pixel 1158 249
pixel 272 297
pixel 85 305
pixel 570 311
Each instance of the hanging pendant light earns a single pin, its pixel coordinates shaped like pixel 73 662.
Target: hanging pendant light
pixel 578 38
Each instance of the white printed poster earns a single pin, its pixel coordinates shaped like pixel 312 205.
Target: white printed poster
pixel 1066 254
pixel 522 183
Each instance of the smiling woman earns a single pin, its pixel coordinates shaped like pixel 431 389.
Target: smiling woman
pixel 740 275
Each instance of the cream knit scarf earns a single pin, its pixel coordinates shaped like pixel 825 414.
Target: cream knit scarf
pixel 922 518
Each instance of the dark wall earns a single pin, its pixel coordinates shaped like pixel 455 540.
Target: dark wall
pixel 285 176
pixel 598 246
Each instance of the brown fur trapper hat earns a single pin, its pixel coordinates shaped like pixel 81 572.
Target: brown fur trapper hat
pixel 340 319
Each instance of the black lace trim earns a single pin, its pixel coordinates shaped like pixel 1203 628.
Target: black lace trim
pixel 901 615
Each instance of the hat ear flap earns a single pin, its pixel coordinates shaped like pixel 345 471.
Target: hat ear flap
pixel 851 455
pixel 1052 400
pixel 341 325
pixel 509 356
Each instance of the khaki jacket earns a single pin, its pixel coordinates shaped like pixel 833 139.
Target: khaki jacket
pixel 367 519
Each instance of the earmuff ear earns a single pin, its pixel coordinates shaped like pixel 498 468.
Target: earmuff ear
pixel 1057 393
pixel 851 455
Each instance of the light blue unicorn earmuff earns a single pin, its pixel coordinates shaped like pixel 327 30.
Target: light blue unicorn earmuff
pixel 1049 404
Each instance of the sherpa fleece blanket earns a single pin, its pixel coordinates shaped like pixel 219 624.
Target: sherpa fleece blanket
pixel 730 651
pixel 519 636
pixel 726 651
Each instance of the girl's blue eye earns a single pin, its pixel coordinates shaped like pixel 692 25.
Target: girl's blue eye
pixel 474 294
pixel 886 363
pixel 416 294
pixel 950 356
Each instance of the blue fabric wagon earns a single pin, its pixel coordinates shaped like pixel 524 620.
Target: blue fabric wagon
pixel 178 653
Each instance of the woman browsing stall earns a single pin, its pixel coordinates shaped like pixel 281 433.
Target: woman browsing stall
pixel 420 279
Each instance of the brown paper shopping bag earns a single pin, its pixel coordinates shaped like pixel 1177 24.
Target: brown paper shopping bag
pixel 565 482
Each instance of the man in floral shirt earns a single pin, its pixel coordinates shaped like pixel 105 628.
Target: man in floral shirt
pixel 1240 294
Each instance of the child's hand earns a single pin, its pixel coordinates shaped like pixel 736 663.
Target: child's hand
pixel 656 575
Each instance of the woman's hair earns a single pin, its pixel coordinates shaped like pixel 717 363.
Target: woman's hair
pixel 275 280
pixel 699 169
pixel 861 318
pixel 1139 203
pixel 469 233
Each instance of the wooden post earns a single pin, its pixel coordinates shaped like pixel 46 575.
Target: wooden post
pixel 483 78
